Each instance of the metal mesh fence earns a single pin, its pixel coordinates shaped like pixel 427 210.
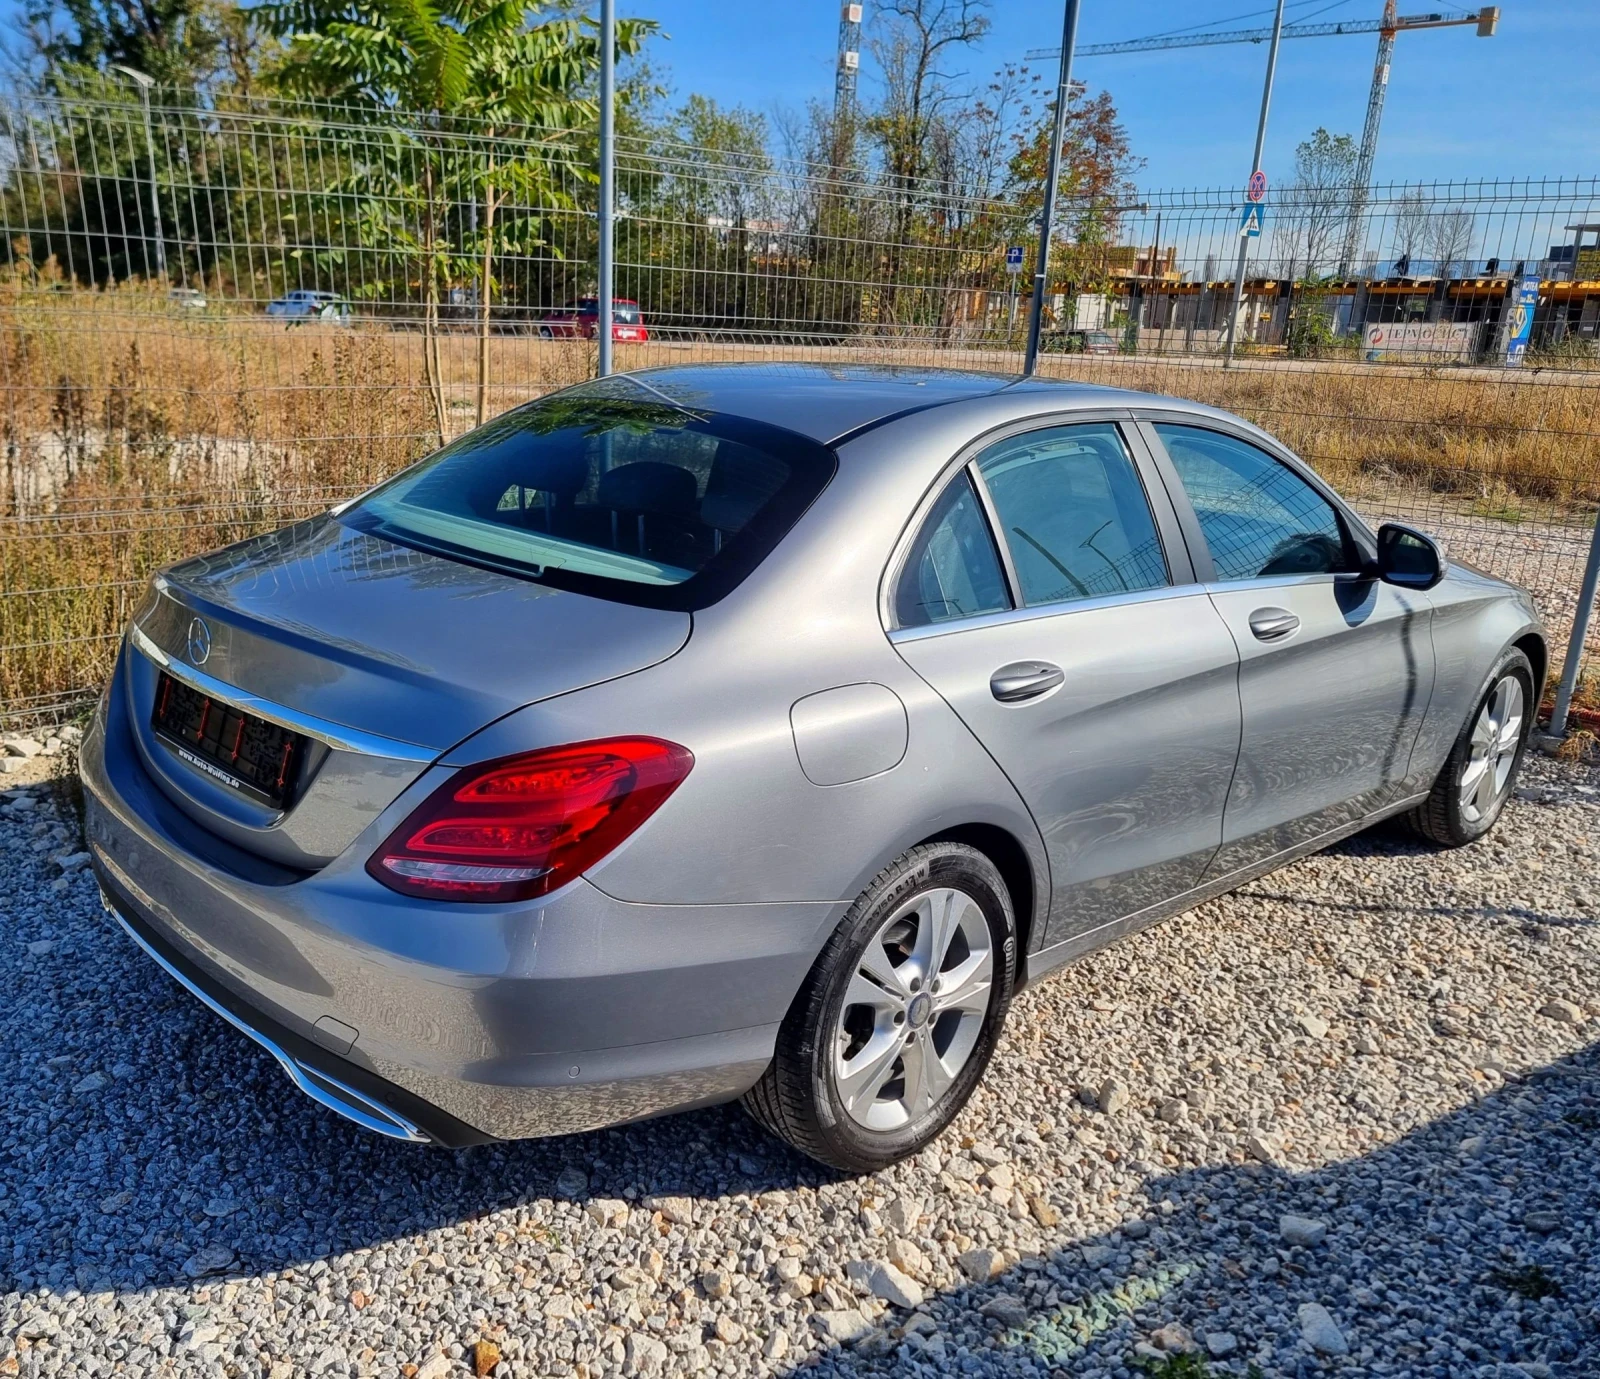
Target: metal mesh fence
pixel 215 320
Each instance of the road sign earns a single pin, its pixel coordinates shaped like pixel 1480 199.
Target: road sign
pixel 1519 318
pixel 1014 258
pixel 1251 219
pixel 1257 188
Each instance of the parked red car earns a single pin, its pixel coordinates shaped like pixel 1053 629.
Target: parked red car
pixel 581 320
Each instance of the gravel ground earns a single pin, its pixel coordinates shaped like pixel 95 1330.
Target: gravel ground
pixel 1344 1122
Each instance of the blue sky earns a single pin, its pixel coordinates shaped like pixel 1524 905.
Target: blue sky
pixel 1525 103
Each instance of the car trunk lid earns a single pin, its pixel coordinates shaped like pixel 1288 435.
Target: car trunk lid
pixel 386 656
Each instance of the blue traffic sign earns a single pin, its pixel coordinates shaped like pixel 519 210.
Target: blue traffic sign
pixel 1014 258
pixel 1251 219
pixel 1258 186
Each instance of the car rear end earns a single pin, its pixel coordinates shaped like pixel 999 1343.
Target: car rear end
pixel 317 797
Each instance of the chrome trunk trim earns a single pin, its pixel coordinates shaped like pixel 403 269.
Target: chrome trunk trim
pixel 335 735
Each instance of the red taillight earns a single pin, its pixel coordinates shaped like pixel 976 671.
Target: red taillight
pixel 521 826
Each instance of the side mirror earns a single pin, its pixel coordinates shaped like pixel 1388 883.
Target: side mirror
pixel 1408 558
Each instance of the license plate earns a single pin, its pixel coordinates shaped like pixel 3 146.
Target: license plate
pixel 237 749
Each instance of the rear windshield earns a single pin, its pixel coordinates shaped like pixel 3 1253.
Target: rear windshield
pixel 634 499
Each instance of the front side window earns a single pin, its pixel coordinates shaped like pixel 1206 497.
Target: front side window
pixel 1073 513
pixel 638 500
pixel 1258 516
pixel 953 570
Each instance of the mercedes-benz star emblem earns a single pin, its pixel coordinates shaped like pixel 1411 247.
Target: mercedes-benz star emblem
pixel 199 641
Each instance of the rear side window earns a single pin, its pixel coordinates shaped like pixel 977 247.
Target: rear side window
pixel 1258 516
pixel 641 501
pixel 1074 514
pixel 953 570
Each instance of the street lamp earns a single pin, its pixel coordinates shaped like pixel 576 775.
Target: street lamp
pixel 144 83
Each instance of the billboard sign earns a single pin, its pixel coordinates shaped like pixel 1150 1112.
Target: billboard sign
pixel 1521 303
pixel 1420 342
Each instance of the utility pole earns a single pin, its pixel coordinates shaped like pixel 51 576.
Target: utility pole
pixel 1047 217
pixel 1255 162
pixel 608 158
pixel 144 83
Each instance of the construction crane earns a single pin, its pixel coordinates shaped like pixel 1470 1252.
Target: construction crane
pixel 1486 19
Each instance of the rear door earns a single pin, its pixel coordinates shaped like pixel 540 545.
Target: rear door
pixel 1083 655
pixel 1336 667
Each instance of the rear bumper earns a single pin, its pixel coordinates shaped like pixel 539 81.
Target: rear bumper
pixel 351 1091
pixel 454 1023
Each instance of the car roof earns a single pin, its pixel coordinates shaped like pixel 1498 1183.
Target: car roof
pixel 829 402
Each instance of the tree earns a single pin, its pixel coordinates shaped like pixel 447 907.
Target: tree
pixel 488 63
pixel 1318 205
pixel 1410 228
pixel 175 41
pixel 1446 238
pixel 909 128
pixel 1096 179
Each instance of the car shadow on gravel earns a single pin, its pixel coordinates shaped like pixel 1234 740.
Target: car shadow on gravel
pixel 1469 1244
pixel 196 1159
pixel 145 1143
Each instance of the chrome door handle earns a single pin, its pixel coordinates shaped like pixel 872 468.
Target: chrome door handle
pixel 1272 624
pixel 1021 680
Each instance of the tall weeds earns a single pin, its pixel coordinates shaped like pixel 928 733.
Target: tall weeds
pixel 134 433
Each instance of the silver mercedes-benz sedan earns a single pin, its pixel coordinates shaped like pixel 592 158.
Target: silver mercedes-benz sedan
pixel 759 731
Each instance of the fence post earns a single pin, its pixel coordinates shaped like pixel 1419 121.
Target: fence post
pixel 608 173
pixel 1580 633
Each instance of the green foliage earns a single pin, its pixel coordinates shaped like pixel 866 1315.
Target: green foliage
pixel 1531 1281
pixel 1189 1366
pixel 491 60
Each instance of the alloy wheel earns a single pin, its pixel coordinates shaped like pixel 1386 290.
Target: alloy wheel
pixel 1495 738
pixel 914 1009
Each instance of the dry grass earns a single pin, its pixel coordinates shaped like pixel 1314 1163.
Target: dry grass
pixel 134 434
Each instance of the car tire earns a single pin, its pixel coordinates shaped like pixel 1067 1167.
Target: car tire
pixel 1478 776
pixel 836 1088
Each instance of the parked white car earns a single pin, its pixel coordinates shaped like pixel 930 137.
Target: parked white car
pixel 305 305
pixel 187 299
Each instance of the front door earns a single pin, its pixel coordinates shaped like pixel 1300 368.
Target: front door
pixel 1104 689
pixel 1335 667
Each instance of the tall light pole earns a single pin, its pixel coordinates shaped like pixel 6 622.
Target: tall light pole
pixel 1255 162
pixel 608 156
pixel 1069 39
pixel 144 83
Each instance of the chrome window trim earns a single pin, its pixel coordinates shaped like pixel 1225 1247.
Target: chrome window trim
pixel 1063 609
pixel 334 735
pixel 1223 586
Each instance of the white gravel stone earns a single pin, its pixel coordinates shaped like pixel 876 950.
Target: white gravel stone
pixel 1302 1230
pixel 1313 1025
pixel 1112 1096
pixel 197 1191
pixel 1320 1331
pixel 841 1325
pixel 1564 1012
pixel 572 1182
pixel 980 1265
pixel 885 1282
pixel 904 1214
